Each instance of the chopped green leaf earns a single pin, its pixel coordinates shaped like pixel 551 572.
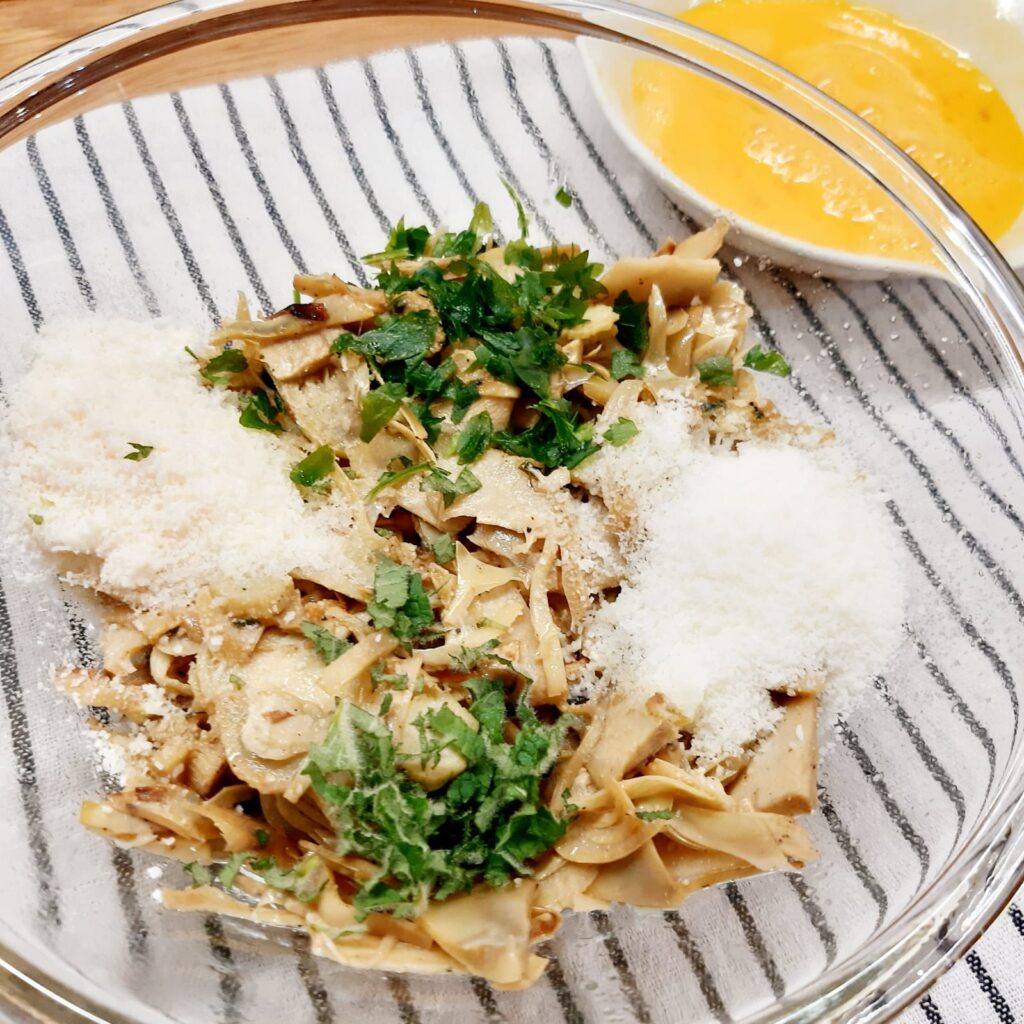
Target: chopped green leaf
pixel 400 602
pixel 466 659
pixel 397 338
pixel 236 681
pixel 260 411
pixel 474 437
pixel 403 244
pixel 192 354
pixel 262 838
pixel 631 327
pixel 324 642
pixel 482 223
pixel 199 873
pixel 716 371
pixel 393 477
pixel 315 469
pixel 443 548
pixel 142 451
pixel 563 197
pixel 378 677
pixel 36 518
pixel 485 825
pixel 221 367
pixel 764 361
pixel 626 364
pixel 521 218
pixel 440 480
pixel 296 297
pixel 379 406
pixel 664 815
pixel 621 431
pixel 229 872
pixel 556 439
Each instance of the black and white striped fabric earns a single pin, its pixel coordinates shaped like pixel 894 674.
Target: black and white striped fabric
pixel 168 205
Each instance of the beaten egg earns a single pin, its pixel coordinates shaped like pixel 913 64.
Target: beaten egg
pixel 920 92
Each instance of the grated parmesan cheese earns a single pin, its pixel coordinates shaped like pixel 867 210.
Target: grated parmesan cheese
pixel 744 571
pixel 212 501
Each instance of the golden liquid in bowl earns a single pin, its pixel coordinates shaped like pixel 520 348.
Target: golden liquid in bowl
pixel 929 99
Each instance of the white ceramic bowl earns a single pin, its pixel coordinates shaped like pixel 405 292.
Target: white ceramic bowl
pixel 989 32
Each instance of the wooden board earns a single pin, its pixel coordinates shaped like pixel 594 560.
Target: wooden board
pixel 246 38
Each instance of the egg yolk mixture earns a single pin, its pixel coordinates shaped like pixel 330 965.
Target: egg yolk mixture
pixel 921 93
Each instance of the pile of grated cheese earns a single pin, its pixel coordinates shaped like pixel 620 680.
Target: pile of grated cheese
pixel 212 501
pixel 745 570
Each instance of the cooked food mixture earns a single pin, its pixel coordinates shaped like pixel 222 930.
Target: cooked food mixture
pixel 438 609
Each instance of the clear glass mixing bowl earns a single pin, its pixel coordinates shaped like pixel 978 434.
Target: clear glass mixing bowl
pixel 169 203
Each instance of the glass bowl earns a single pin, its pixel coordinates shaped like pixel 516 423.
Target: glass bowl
pixel 134 181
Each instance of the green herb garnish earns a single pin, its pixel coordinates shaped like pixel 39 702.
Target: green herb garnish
pixel 466 659
pixel 142 451
pixel 223 365
pixel 262 838
pixel 716 371
pixel 563 197
pixel 236 681
pixel 556 439
pixel 664 815
pixel 379 406
pixel 631 327
pixel 260 411
pixel 400 602
pixel 440 480
pixel 199 873
pixel 314 471
pixel 474 437
pixel 764 361
pixel 324 642
pixel 621 431
pixel 396 338
pixel 443 548
pixel 485 825
pixel 521 218
pixel 626 364
pixel 36 518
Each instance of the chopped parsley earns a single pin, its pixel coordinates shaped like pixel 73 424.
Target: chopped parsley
pixel 223 365
pixel 474 437
pixel 485 825
pixel 396 339
pixel 716 371
pixel 142 451
pixel 314 471
pixel 764 361
pixel 199 873
pixel 262 838
pixel 394 477
pixel 521 218
pixel 444 549
pixel 440 480
pixel 466 659
pixel 378 677
pixel 626 364
pixel 556 439
pixel 563 197
pixel 621 431
pixel 236 681
pixel 379 406
pixel 261 410
pixel 400 602
pixel 324 642
pixel 403 244
pixel 38 520
pixel 631 327
pixel 663 815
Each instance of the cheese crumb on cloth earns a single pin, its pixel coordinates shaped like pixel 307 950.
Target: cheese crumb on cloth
pixel 746 570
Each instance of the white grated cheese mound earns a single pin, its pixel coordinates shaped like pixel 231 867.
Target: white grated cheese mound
pixel 212 501
pixel 745 570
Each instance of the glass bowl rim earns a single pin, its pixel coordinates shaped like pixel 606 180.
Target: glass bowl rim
pixel 974 886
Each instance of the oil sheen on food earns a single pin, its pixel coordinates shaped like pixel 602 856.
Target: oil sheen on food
pixel 928 98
